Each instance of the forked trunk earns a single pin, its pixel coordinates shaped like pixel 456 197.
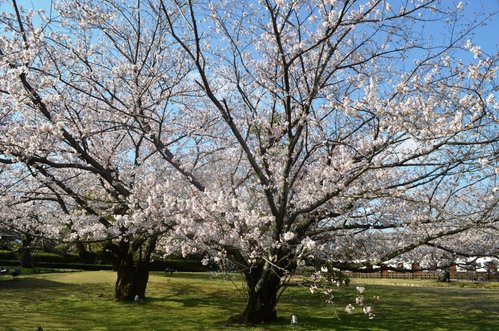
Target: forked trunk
pixel 262 290
pixel 131 263
pixel 131 281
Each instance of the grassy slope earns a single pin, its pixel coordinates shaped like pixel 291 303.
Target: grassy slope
pixel 83 301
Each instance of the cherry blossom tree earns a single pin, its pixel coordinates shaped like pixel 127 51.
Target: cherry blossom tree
pixel 345 126
pixel 87 101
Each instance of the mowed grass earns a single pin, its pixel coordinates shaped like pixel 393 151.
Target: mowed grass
pixel 186 301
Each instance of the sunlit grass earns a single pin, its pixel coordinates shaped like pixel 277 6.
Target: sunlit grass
pixel 184 301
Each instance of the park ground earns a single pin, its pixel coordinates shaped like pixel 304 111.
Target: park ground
pixel 203 301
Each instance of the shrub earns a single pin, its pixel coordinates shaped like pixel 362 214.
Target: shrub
pixel 8 255
pixel 55 258
pixel 179 265
pixel 9 263
pixel 78 266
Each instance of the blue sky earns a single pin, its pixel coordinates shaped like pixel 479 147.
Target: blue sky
pixel 486 36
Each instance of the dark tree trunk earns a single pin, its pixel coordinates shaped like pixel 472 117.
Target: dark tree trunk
pixel 131 279
pixel 263 287
pixel 85 255
pixel 264 284
pixel 131 263
pixel 26 258
pixel 25 253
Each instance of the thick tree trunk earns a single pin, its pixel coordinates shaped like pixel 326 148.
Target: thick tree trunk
pixel 132 280
pixel 263 287
pixel 131 263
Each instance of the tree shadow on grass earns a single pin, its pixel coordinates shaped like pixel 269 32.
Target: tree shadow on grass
pixel 201 301
pixel 30 283
pixel 186 296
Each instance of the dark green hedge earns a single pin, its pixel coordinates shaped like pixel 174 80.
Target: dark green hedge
pixel 78 266
pixel 8 255
pixel 179 265
pixel 55 258
pixel 51 260
pixel 41 257
pixel 8 263
pixel 53 265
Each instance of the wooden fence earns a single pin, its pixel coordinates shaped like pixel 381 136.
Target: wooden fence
pixel 433 275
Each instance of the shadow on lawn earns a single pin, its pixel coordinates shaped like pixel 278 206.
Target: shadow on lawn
pixel 30 283
pixel 186 296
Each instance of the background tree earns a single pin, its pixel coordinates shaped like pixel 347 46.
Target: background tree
pixel 85 91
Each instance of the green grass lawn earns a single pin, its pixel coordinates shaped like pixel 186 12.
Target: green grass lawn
pixel 184 301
